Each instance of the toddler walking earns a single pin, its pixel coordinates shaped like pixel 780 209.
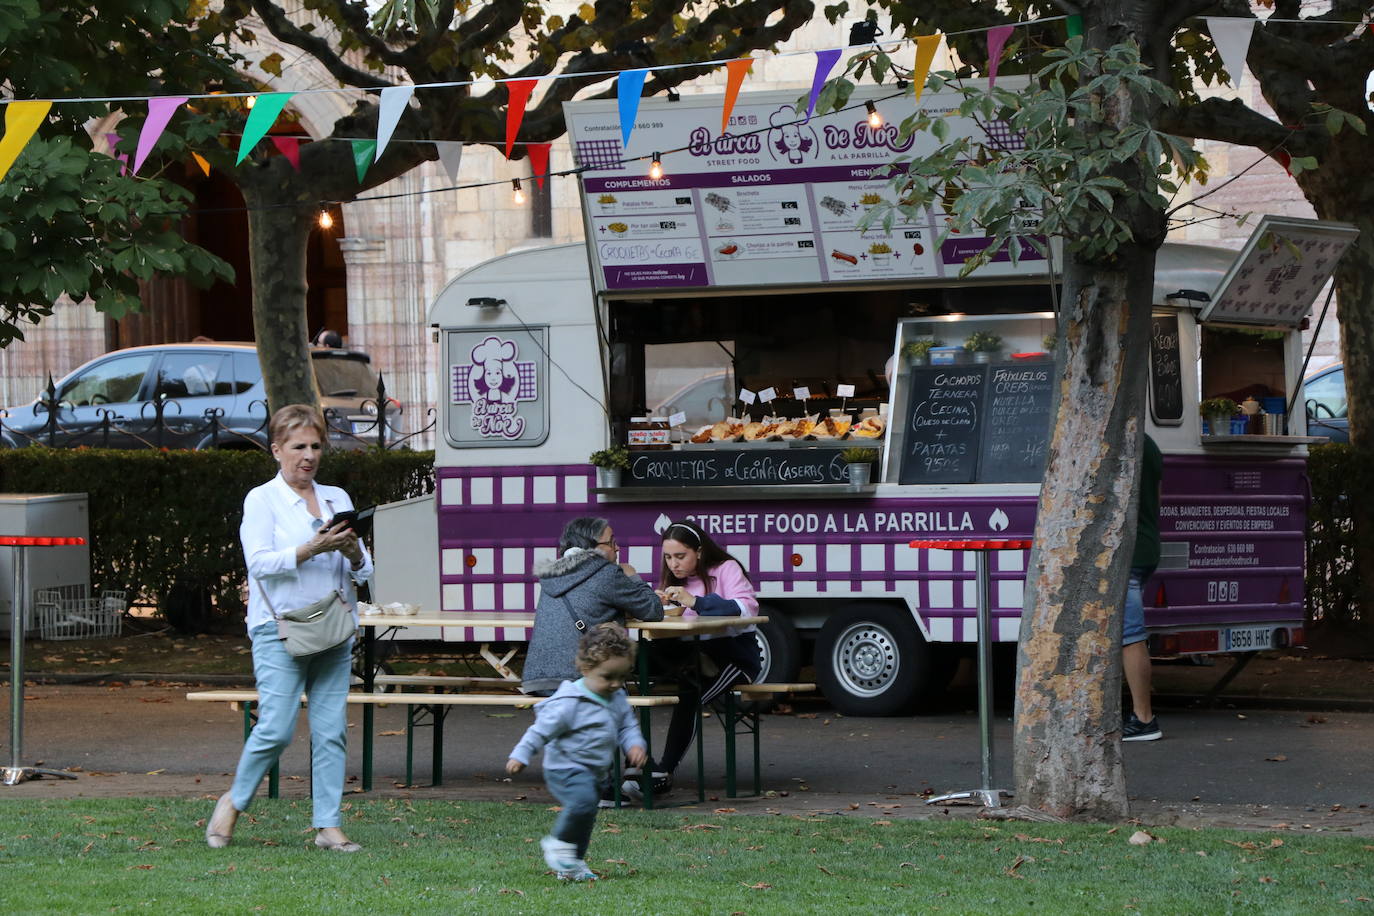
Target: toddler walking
pixel 581 726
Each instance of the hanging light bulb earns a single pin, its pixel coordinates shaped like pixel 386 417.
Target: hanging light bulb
pixel 326 220
pixel 874 119
pixel 519 194
pixel 656 168
pixel 250 102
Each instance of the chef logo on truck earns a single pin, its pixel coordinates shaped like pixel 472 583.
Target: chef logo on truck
pixel 495 383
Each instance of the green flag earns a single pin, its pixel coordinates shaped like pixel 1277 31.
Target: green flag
pixel 261 117
pixel 363 154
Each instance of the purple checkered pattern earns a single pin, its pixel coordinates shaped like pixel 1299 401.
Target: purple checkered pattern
pixel 1004 136
pixel 526 388
pixel 598 155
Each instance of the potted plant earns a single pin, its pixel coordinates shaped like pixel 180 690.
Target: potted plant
pixel 609 463
pixel 860 461
pixel 983 345
pixel 1218 413
pixel 1050 342
pixel 917 352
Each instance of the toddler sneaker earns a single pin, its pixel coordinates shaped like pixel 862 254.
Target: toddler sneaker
pixel 580 872
pixel 562 858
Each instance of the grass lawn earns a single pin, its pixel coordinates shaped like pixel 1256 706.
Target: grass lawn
pixel 118 855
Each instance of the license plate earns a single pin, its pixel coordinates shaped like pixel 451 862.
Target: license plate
pixel 1248 639
pixel 364 426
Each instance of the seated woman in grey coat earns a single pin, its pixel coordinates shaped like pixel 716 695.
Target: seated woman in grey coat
pixel 582 587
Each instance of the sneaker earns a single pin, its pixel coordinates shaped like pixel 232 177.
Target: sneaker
pixel 663 784
pixel 608 797
pixel 561 857
pixel 579 872
pixel 1135 730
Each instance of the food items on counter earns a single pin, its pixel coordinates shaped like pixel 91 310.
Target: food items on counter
pixel 703 435
pixel 844 256
pixel 618 228
pixel 834 205
pixel 719 201
pixel 798 428
pixel 870 428
pixel 832 427
pixel 760 429
pixel 723 431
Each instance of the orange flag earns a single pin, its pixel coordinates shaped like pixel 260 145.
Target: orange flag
pixel 926 46
pixel 735 78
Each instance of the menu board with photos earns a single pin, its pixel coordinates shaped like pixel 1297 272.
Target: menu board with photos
pixel 775 199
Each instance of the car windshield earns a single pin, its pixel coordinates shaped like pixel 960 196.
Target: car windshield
pixel 345 377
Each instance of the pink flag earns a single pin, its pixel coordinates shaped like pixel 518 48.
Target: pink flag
pixel 515 109
pixel 160 111
pixel 539 161
pixel 290 147
pixel 112 140
pixel 997 39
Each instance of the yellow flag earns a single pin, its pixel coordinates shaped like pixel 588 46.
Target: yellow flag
pixel 21 120
pixel 926 46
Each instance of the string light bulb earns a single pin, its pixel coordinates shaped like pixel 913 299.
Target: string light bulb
pixel 519 193
pixel 656 168
pixel 250 102
pixel 326 220
pixel 874 119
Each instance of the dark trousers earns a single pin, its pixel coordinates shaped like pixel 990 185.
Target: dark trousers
pixel 736 659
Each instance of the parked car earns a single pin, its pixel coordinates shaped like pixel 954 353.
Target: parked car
pixel 708 399
pixel 1323 396
pixel 189 382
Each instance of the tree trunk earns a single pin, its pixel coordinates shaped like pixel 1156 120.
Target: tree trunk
pixel 1067 757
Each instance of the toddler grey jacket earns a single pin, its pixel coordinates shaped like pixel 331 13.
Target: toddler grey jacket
pixel 598 591
pixel 579 730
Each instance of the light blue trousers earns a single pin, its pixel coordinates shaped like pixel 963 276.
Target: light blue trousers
pixel 282 678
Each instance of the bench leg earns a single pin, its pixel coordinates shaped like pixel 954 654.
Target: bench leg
pixel 732 717
pixel 436 757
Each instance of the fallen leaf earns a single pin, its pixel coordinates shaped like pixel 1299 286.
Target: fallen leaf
pixel 1265 879
pixel 156 772
pixel 725 811
pixel 1276 842
pixel 511 890
pixel 756 887
pixel 703 827
pixel 826 870
pixel 1140 838
pixel 1315 719
pixel 616 862
pixel 1277 758
pixel 391 733
pixel 141 867
pixel 1016 863
pixel 882 823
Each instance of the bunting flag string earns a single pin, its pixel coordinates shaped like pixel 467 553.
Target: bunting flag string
pixel 261 117
pixel 160 111
pixel 539 161
pixel 628 89
pixel 735 72
pixel 389 110
pixel 21 121
pixel 289 146
pixel 1232 39
pixel 997 39
pixel 515 109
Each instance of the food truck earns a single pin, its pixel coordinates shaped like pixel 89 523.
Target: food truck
pixel 727 273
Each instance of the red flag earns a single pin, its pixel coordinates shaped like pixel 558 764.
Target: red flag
pixel 515 109
pixel 736 70
pixel 290 147
pixel 539 161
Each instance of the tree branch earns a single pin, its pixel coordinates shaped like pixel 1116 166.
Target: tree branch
pixel 285 30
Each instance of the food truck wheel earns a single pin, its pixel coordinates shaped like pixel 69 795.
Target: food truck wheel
pixel 871 660
pixel 780 649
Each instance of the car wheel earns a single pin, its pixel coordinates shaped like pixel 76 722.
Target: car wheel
pixel 871 660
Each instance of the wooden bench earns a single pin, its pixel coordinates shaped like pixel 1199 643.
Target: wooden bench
pixel 740 719
pixel 436 704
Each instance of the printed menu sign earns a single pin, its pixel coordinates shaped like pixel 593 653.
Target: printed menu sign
pixel 775 199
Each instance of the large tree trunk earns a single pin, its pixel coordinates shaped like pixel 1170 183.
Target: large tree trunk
pixel 1067 756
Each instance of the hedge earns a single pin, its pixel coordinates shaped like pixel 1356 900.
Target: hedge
pixel 1338 475
pixel 164 524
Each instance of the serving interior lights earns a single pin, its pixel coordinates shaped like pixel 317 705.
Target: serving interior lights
pixel 519 193
pixel 874 119
pixel 326 220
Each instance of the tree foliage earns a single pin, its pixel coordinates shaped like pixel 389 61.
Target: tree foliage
pixel 70 222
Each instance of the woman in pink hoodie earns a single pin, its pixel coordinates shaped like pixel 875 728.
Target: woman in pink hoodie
pixel 698 576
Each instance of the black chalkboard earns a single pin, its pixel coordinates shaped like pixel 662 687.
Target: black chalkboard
pixel 1016 422
pixel 943 419
pixel 727 467
pixel 1166 371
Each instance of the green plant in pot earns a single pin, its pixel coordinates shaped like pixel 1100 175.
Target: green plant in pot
pixel 1218 413
pixel 983 345
pixel 1050 342
pixel 609 463
pixel 860 461
pixel 917 352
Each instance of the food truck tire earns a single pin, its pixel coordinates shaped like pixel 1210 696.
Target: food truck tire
pixel 780 648
pixel 871 660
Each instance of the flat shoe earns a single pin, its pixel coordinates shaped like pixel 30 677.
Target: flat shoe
pixel 345 846
pixel 213 838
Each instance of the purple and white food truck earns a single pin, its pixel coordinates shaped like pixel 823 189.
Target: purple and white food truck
pixel 709 326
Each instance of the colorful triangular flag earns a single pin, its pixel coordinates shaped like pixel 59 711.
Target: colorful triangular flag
pixel 450 154
pixel 997 39
pixel 112 141
pixel 389 111
pixel 160 111
pixel 202 162
pixel 290 147
pixel 1232 38
pixel 539 161
pixel 825 62
pixel 735 71
pixel 515 109
pixel 1074 25
pixel 926 46
pixel 261 117
pixel 21 121
pixel 363 154
pixel 628 88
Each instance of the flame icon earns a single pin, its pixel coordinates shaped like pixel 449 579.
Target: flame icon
pixel 661 524
pixel 998 520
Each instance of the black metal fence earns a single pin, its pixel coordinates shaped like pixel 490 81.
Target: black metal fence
pixel 162 423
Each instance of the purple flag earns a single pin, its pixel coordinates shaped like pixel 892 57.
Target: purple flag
pixel 160 111
pixel 997 38
pixel 825 62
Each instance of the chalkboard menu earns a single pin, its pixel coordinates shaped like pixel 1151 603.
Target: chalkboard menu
pixel 944 413
pixel 1166 371
pixel 1016 423
pixel 725 467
